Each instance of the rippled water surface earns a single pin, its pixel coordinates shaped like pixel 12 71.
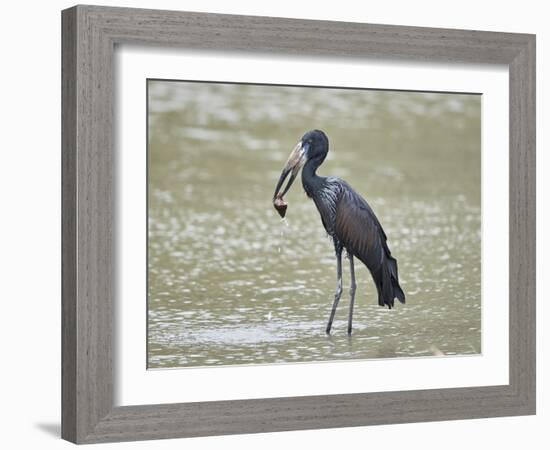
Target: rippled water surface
pixel 229 282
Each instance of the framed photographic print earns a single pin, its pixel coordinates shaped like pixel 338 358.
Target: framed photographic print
pixel 278 224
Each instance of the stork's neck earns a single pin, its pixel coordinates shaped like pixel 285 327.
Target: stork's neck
pixel 310 180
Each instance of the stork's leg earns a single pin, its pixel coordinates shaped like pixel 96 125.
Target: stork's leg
pixel 352 287
pixel 338 293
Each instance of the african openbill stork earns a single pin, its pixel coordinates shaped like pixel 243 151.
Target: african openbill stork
pixel 347 218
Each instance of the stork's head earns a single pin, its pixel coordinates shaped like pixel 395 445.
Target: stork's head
pixel 316 144
pixel 312 146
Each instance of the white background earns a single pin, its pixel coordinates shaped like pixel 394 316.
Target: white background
pixel 134 385
pixel 30 225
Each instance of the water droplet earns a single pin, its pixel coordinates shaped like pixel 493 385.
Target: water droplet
pixel 282 234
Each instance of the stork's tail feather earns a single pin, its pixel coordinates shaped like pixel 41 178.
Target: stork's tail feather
pixel 397 291
pixel 387 283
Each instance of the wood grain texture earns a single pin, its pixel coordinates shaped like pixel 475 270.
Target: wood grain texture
pixel 522 187
pixel 88 209
pixel 68 226
pixel 89 37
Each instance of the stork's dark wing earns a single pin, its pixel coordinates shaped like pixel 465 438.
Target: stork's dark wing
pixel 359 230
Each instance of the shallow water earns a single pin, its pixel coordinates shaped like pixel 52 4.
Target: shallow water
pixel 230 283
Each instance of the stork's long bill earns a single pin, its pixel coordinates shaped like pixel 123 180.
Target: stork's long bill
pixel 295 162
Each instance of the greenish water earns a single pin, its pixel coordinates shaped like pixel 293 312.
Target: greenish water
pixel 230 283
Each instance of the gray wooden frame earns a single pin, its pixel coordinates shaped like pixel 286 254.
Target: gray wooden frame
pixel 90 34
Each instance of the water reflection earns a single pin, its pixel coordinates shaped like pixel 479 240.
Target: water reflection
pixel 229 283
